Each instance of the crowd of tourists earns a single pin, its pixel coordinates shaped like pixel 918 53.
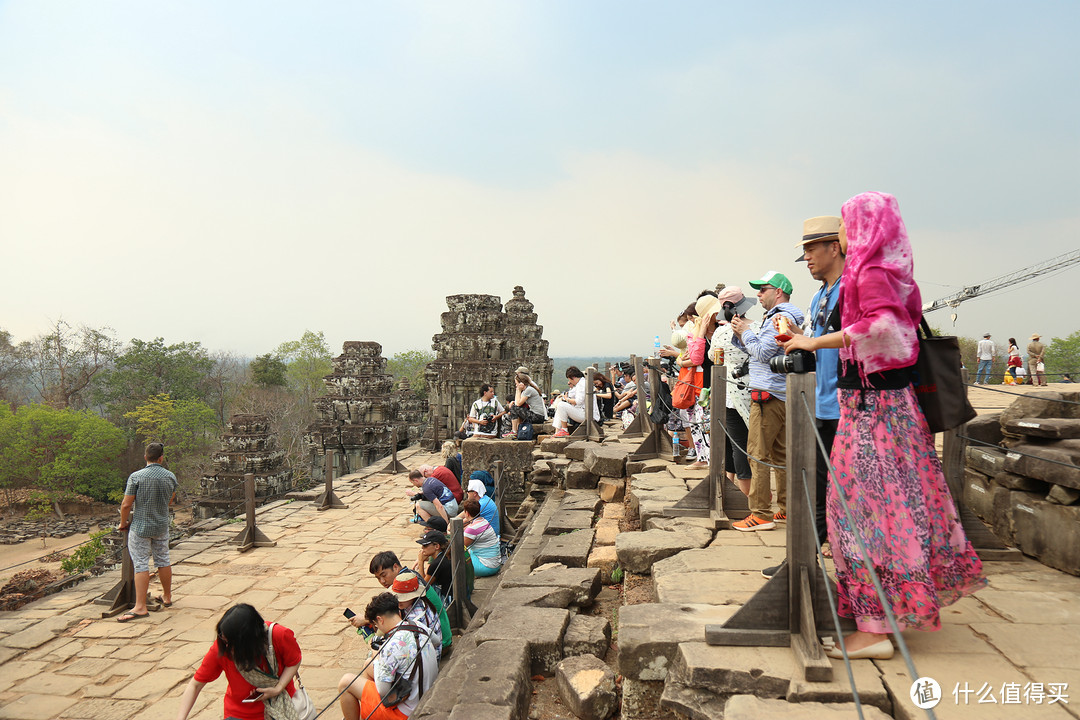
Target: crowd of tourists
pixel 986 351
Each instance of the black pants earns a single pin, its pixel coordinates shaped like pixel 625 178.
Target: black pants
pixel 522 412
pixel 827 430
pixel 735 460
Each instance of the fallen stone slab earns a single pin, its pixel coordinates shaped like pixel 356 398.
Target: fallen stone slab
pixel 554 445
pixel 1042 405
pixel 541 628
pixel 1047 531
pixel 580 500
pixel 649 634
pixel 867 679
pixel 495 674
pixel 607 460
pixel 576 450
pixel 568 521
pixel 658 479
pixel 604 559
pixel 578 477
pixel 571 549
pixel 1061 495
pixel 985 428
pixel 541 454
pixel 721 558
pixel 634 467
pixel 587 635
pixel 639 551
pixel 584 583
pixel 535 596
pixel 1019 482
pixel 710 587
pixel 587 687
pixel 1054 428
pixel 750 707
pixel 677 523
pixel 613 511
pixel 1041 461
pixel 611 489
pixel 989 461
pixel 558 471
pixel 654 505
pixel 729 670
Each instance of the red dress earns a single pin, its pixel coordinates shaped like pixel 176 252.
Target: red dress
pixel 287 654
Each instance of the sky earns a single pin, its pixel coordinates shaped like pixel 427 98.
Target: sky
pixel 237 173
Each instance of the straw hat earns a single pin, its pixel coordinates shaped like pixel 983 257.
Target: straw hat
pixel 678 339
pixel 820 229
pixel 1036 336
pixel 705 306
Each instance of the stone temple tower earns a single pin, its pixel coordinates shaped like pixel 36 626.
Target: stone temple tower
pixel 480 343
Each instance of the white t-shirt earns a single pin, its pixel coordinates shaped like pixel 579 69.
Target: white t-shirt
pixel 577 394
pixel 482 410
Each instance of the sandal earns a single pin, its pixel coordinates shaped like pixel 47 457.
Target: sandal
pixel 129 616
pixel 826 549
pixel 161 599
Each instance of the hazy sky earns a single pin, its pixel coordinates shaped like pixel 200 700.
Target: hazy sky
pixel 238 172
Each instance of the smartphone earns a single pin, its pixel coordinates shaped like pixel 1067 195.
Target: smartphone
pixel 255 696
pixel 349 613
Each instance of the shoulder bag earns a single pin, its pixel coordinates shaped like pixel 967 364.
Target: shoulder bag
pixel 687 387
pixel 938 382
pixel 301 702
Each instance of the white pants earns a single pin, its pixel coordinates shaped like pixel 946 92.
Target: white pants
pixel 564 411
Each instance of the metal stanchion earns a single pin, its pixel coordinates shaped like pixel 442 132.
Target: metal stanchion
pixel 393 467
pixel 251 536
pixel 328 499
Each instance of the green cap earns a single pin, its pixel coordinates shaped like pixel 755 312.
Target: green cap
pixel 777 280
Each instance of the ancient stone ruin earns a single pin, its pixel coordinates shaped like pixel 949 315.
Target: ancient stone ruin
pixel 247 446
pixel 360 410
pixel 1023 476
pixel 480 343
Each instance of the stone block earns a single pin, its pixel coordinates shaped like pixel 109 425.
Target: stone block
pixel 576 450
pixel 541 454
pixel 611 489
pixel 749 707
pixel 988 500
pixel 579 478
pixel 587 635
pixel 580 500
pixel 606 531
pixel 649 634
pixel 479 711
pixel 605 560
pixel 867 679
pixel 558 471
pixel 554 445
pixel 1019 482
pixel 516 457
pixel 584 583
pixel 654 505
pixel 1055 428
pixel 551 597
pixel 495 674
pixel 571 549
pixel 1041 405
pixel 568 521
pixel 587 687
pixel 1061 495
pixel 724 670
pixel 985 428
pixel 1047 531
pixel 676 524
pixel 638 551
pixel 988 461
pixel 710 587
pixel 608 460
pixel 541 628
pixel 613 511
pixel 1037 462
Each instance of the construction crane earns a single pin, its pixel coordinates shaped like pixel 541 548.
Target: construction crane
pixel 1000 283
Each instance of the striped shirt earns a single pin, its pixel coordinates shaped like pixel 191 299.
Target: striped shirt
pixel 152 487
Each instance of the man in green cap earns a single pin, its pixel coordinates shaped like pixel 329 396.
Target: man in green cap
pixel 768 396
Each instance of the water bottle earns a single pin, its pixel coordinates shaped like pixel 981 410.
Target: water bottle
pixel 675 446
pixel 656 345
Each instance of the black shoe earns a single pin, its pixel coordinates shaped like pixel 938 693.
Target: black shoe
pixel 768 572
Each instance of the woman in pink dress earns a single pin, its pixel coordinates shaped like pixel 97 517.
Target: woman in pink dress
pixel 884 455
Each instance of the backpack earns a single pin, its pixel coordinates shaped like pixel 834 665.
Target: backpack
pixel 525 431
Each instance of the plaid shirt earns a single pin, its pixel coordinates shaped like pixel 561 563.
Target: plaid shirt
pixel 153 487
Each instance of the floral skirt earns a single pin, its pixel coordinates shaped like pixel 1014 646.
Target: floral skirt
pixel 891 476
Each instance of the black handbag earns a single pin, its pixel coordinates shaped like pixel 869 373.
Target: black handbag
pixel 938 381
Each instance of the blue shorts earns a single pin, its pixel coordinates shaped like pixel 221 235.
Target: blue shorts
pixel 141 548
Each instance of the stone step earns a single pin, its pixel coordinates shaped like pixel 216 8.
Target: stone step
pixel 639 551
pixel 650 633
pixel 571 549
pixel 608 460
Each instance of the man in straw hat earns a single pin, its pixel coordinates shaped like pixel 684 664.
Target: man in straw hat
pixel 985 353
pixel 768 400
pixel 1036 350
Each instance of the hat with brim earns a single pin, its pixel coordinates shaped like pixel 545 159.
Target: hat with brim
pixel 777 280
pixel 1036 336
pixel 986 334
pixel 705 306
pixel 824 228
pixel 435 523
pixel 735 296
pixel 432 537
pixel 407 587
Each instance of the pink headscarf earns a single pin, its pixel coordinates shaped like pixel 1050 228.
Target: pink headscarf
pixel 880 303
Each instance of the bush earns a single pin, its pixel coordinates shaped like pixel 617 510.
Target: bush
pixel 84 556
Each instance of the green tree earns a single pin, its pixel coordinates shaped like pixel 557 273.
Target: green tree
pixel 269 371
pixel 307 361
pixel 411 364
pixel 186 427
pixel 1063 356
pixel 59 452
pixel 153 368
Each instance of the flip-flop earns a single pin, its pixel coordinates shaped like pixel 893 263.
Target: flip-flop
pixel 161 599
pixel 129 616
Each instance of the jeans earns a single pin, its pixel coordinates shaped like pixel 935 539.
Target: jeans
pixel 984 371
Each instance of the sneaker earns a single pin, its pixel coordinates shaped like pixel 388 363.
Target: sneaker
pixel 779 517
pixel 561 432
pixel 508 435
pixel 752 523
pixel 768 572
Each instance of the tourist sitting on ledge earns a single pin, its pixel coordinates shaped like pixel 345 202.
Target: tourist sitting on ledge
pixel 527 405
pixel 435 568
pixel 452 458
pixel 488 509
pixel 405 653
pixel 485 477
pixel 386 567
pixel 604 392
pixel 571 405
pixel 481 540
pixel 434 498
pixel 446 476
pixel 485 414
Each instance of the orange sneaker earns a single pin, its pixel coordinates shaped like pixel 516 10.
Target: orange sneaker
pixel 779 516
pixel 561 433
pixel 752 523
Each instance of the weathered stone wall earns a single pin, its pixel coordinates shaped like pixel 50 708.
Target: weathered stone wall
pixel 517 459
pixel 480 343
pixel 360 411
pixel 1022 477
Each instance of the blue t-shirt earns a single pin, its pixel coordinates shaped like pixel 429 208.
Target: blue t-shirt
pixel 828 359
pixel 433 489
pixel 490 512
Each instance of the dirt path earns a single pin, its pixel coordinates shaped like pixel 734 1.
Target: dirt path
pixel 31 550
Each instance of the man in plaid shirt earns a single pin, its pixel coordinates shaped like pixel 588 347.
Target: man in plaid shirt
pixel 149 492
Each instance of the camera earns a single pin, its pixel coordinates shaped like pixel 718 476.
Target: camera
pixel 667 366
pixel 797 361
